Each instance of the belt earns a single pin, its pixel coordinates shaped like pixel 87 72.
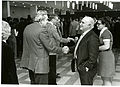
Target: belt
pixel 104 50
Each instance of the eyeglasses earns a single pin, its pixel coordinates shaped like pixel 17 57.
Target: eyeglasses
pixel 99 23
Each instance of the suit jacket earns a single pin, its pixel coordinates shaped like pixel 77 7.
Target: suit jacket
pixel 55 35
pixel 88 50
pixel 36 47
pixel 8 74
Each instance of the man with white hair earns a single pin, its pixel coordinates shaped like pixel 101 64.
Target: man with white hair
pixel 36 47
pixel 86 51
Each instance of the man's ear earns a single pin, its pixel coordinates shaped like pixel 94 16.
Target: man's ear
pixel 89 25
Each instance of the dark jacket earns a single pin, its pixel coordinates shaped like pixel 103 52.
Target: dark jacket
pixel 88 50
pixel 8 74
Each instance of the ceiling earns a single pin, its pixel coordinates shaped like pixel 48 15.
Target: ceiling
pixel 59 4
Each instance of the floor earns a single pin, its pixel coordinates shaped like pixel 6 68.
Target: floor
pixel 68 77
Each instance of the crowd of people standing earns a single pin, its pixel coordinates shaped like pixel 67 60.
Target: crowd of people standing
pixel 90 41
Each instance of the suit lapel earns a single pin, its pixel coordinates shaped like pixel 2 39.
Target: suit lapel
pixel 85 37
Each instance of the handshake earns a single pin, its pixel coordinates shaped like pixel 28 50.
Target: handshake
pixel 70 39
pixel 65 49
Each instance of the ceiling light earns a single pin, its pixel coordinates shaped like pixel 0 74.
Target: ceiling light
pixel 96 6
pixel 77 2
pixel 93 5
pixel 82 3
pixel 55 2
pixel 45 1
pixel 101 1
pixel 68 4
pixel 110 5
pixel 87 4
pixel 73 5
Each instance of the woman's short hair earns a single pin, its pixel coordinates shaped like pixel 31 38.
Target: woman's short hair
pixel 105 21
pixel 40 15
pixel 6 30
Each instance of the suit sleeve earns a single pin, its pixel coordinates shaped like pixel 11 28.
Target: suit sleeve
pixel 93 51
pixel 57 36
pixel 48 43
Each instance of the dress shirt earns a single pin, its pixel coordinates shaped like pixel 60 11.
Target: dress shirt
pixel 4 41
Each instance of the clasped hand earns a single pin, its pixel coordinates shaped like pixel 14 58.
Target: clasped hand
pixel 65 49
pixel 69 39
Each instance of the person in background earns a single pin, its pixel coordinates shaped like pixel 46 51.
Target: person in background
pixel 86 51
pixel 55 34
pixel 36 47
pixel 12 38
pixel 73 26
pixel 8 71
pixel 106 67
pixel 53 28
pixel 29 19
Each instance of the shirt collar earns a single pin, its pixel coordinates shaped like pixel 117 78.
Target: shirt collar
pixel 85 32
pixel 52 24
pixel 4 41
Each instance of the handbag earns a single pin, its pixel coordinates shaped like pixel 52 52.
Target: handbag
pixel 73 65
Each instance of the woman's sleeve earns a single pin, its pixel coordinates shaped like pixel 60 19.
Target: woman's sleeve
pixel 105 35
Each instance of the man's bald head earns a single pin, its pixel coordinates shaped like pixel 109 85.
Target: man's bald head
pixel 89 20
pixel 87 23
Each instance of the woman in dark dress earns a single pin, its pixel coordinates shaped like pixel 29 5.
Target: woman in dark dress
pixel 8 74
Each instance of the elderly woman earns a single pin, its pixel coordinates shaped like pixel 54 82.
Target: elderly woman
pixel 106 56
pixel 9 75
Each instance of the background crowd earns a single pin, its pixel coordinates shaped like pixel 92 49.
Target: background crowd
pixel 68 27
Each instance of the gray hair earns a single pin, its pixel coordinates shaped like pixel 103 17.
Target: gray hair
pixel 6 30
pixel 40 15
pixel 91 21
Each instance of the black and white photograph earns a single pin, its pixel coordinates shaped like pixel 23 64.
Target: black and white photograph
pixel 60 42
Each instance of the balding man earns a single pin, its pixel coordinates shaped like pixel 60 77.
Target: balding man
pixel 86 52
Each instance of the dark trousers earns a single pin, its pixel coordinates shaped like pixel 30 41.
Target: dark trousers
pixel 38 78
pixel 86 78
pixel 52 72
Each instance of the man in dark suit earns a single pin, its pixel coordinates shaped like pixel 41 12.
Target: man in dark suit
pixel 86 52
